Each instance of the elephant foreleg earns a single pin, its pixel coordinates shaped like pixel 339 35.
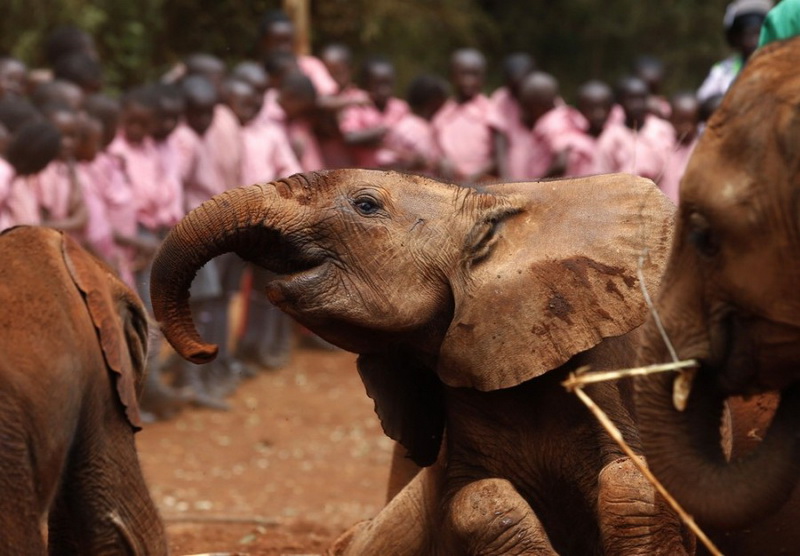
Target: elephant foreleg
pixel 403 528
pixel 402 472
pixel 634 518
pixel 104 500
pixel 489 517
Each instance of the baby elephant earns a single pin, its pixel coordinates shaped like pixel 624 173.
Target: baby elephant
pixel 73 340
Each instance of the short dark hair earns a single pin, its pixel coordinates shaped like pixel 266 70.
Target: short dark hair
pixel 33 147
pixel 15 112
pixel 79 68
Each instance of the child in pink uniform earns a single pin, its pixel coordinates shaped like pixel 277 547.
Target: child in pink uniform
pixel 276 34
pixel 32 147
pixel 292 106
pixel 266 156
pixel 13 77
pixel 595 99
pixel 411 141
pixel 505 116
pixel 58 188
pixel 641 145
pixel 265 146
pixel 462 126
pixel 365 126
pixel 553 128
pixel 110 183
pixel 158 207
pixel 685 118
pixel 206 175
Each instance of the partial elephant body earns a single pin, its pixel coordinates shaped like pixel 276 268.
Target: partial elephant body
pixel 73 342
pixel 468 308
pixel 730 299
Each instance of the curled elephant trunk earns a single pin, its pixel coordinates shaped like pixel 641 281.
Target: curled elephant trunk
pixel 239 221
pixel 684 449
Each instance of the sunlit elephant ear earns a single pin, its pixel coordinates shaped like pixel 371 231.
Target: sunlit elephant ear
pixel 408 401
pixel 561 276
pixel 120 322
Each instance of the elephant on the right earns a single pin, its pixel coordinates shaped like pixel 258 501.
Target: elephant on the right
pixel 730 298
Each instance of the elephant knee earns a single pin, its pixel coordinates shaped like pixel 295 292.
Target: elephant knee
pixel 634 518
pixel 489 517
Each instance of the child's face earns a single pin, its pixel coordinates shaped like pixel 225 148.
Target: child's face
pixel 295 106
pixel 68 125
pixel 13 75
pixel 634 101
pixel 5 138
pixel 90 135
pixel 468 73
pixel 169 114
pixel 340 70
pixel 243 103
pixel 137 122
pixel 199 116
pixel 279 37
pixel 684 118
pixel 595 107
pixel 380 83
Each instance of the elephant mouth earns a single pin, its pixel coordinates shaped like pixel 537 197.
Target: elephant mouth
pixel 750 356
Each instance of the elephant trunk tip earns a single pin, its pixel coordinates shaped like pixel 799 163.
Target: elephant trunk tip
pixel 204 353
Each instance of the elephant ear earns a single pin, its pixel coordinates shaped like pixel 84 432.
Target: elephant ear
pixel 408 400
pixel 119 320
pixel 561 276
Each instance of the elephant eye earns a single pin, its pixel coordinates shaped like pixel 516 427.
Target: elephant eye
pixel 702 236
pixel 366 206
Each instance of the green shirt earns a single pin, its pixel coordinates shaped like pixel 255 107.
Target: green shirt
pixel 782 22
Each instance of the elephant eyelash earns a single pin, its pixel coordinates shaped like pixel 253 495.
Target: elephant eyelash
pixel 487 240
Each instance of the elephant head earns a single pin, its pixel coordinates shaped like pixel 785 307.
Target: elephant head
pixel 429 282
pixel 730 298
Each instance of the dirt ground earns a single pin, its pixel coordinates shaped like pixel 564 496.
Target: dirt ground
pixel 298 459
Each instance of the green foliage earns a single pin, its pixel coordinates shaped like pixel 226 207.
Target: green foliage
pixel 573 39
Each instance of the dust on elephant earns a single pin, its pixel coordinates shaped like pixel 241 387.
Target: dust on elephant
pixel 73 340
pixel 467 309
pixel 730 298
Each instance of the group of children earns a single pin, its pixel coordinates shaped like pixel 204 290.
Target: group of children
pixel 119 173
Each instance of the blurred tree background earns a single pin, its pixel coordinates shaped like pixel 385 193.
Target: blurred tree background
pixel 573 39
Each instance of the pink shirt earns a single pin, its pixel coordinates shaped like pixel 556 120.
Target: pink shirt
pixel 621 149
pixel 266 154
pixel 109 184
pixel 504 111
pixel 157 195
pixel 411 139
pixel 223 137
pixel 301 135
pixel 367 116
pixel 6 177
pixel 674 169
pixel 23 203
pixel 464 135
pixel 316 71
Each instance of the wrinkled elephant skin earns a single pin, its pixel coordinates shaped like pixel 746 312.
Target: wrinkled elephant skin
pixel 468 308
pixel 73 340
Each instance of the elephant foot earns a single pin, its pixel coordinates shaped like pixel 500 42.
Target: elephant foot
pixel 490 518
pixel 634 519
